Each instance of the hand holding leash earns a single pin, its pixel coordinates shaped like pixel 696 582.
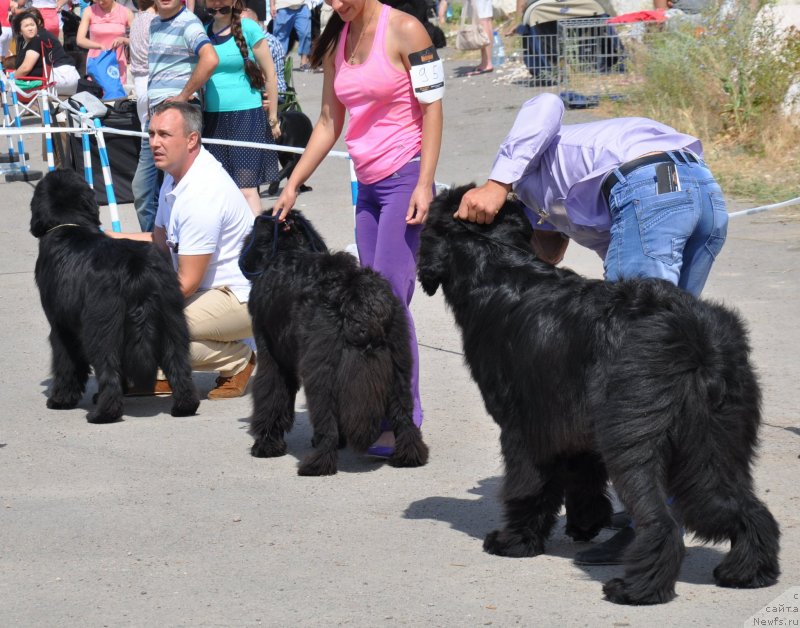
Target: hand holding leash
pixel 284 203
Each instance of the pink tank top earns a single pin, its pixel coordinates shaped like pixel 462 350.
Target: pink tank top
pixel 385 127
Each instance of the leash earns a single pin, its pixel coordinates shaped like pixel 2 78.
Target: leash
pixel 275 231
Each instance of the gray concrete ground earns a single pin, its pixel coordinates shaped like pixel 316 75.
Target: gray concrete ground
pixel 162 521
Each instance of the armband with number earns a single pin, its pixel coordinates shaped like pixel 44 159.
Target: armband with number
pixel 427 75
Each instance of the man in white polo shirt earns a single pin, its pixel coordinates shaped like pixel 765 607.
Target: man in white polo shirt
pixel 201 221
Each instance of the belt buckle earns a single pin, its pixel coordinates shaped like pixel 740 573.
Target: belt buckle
pixel 543 215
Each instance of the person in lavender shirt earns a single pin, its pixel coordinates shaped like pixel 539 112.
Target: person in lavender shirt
pixel 634 190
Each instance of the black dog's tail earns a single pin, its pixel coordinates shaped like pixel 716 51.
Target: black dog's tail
pixel 140 360
pixel 366 380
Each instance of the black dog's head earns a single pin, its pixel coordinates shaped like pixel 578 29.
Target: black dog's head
pixel 269 238
pixel 444 236
pixel 63 197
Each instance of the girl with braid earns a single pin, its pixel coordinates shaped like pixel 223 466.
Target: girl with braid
pixel 233 99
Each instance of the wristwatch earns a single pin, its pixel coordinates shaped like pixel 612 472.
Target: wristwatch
pixel 273 122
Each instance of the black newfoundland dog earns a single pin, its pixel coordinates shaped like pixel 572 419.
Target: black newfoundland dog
pixel 296 130
pixel 321 320
pixel 635 381
pixel 113 305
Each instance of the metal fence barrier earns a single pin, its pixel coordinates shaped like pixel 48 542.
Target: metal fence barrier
pixel 584 59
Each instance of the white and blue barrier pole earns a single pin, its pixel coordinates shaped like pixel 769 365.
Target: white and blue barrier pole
pixel 353 248
pixel 44 103
pixel 87 153
pixel 11 157
pixel 112 199
pixel 24 173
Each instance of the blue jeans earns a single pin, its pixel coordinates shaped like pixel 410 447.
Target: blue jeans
pixel 674 236
pixel 300 21
pixel 145 186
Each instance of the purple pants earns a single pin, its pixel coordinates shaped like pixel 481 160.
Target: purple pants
pixel 389 246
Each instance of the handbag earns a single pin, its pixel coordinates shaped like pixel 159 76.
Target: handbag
pixel 470 36
pixel 104 69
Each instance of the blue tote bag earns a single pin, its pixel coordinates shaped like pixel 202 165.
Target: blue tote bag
pixel 104 69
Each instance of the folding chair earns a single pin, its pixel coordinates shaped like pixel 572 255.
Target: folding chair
pixel 28 87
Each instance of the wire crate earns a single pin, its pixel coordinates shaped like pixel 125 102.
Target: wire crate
pixel 592 60
pixel 584 59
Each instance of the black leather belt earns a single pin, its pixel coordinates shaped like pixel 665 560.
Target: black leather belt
pixel 647 160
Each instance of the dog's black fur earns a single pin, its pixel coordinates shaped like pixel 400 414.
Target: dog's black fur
pixel 636 381
pixel 296 130
pixel 113 305
pixel 321 320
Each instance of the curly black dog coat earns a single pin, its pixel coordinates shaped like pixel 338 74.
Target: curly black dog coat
pixel 113 305
pixel 635 381
pixel 322 320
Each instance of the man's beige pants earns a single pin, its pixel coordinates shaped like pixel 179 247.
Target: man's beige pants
pixel 218 323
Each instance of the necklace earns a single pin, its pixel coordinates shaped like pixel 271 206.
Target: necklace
pixel 361 36
pixel 219 32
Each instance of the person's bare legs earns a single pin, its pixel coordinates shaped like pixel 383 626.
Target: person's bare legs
pixel 253 200
pixel 486 51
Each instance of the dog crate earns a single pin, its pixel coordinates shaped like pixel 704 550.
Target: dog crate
pixel 591 61
pixel 583 59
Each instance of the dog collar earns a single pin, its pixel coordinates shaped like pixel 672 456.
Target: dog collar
pixel 66 224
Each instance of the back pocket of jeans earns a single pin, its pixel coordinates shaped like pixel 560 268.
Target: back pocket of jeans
pixel 665 223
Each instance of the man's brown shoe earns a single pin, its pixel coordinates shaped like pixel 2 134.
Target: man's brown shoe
pixel 161 389
pixel 235 385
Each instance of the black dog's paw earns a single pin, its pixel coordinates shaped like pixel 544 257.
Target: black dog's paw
pixel 105 416
pixel 730 576
pixel 512 544
pixel 584 532
pixel 272 190
pixel 264 448
pixel 319 463
pixel 409 451
pixel 185 408
pixel 305 188
pixel 61 404
pixel 619 591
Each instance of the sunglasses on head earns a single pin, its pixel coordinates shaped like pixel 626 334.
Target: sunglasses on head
pixel 221 11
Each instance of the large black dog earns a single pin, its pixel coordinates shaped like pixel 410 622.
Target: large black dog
pixel 321 320
pixel 113 305
pixel 635 381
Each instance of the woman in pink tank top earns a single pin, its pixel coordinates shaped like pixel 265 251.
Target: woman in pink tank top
pixel 392 138
pixel 105 26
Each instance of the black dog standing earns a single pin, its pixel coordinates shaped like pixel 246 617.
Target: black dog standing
pixel 113 305
pixel 636 381
pixel 322 320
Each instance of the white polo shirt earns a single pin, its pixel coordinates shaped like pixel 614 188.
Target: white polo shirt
pixel 207 213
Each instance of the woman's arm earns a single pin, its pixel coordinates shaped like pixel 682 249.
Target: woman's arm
pixel 26 67
pixel 432 122
pixel 407 37
pixel 326 131
pixel 264 60
pixel 82 38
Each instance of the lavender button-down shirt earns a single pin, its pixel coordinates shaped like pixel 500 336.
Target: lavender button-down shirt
pixel 557 170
